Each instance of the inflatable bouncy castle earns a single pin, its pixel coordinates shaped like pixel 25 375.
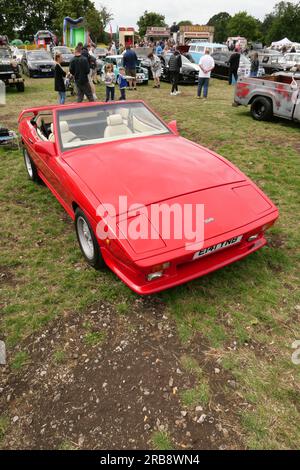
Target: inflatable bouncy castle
pixel 74 31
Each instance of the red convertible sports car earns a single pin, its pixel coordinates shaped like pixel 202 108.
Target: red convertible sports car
pixel 156 208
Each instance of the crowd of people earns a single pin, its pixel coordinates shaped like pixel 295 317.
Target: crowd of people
pixel 83 71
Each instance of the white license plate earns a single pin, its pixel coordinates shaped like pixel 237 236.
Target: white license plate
pixel 46 70
pixel 219 246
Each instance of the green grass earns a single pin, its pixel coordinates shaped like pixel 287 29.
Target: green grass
pixel 200 395
pixel 250 303
pixel 4 423
pixel 95 338
pixel 59 356
pixel 162 441
pixel 20 360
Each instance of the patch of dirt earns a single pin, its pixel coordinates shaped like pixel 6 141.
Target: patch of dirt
pixel 6 276
pixel 114 394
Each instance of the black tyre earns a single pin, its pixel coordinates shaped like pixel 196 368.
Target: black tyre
pixel 262 109
pixel 20 86
pixel 30 167
pixel 87 241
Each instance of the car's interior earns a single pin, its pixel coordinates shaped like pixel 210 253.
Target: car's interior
pixel 88 126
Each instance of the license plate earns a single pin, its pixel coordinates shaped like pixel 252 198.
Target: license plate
pixel 219 246
pixel 46 70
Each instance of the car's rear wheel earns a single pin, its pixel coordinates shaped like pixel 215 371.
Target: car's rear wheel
pixel 262 109
pixel 30 167
pixel 87 240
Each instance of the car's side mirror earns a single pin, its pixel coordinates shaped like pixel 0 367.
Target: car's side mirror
pixel 45 148
pixel 173 126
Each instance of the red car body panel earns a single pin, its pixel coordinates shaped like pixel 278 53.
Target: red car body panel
pixel 151 170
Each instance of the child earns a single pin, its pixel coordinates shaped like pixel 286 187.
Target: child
pixel 59 75
pixel 122 82
pixel 109 80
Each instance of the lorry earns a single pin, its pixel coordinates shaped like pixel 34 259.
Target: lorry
pixel 10 70
pixel 273 95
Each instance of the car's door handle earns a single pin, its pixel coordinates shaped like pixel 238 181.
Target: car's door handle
pixel 30 140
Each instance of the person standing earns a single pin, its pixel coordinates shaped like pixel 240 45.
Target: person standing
pixel 130 62
pixel 206 64
pixel 158 49
pixel 109 80
pixel 254 65
pixel 175 64
pixel 59 83
pixel 234 63
pixel 155 64
pixel 122 82
pixel 80 69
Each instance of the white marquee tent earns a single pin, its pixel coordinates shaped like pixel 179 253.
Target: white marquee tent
pixel 283 42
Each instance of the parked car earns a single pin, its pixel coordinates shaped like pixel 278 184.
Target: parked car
pixel 271 63
pixel 66 53
pixel 142 76
pixel 10 72
pixel 189 72
pixel 277 95
pixel 221 69
pixel 100 52
pixel 38 63
pixel 91 154
pixel 197 49
pixel 290 60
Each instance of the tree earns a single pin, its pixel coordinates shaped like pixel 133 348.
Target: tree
pixel 220 22
pixel 185 23
pixel 244 25
pixel 284 21
pixel 150 18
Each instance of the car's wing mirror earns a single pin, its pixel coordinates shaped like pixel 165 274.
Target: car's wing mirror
pixel 45 148
pixel 173 126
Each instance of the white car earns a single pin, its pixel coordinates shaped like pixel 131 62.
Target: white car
pixel 289 60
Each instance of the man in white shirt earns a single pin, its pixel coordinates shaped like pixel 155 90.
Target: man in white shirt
pixel 206 64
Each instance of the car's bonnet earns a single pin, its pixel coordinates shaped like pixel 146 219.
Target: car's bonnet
pixel 149 170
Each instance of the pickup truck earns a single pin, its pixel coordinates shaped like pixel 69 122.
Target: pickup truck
pixel 275 95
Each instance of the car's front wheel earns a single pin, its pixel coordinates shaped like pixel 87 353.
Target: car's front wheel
pixel 30 167
pixel 87 240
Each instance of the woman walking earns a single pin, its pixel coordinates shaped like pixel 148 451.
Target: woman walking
pixel 155 65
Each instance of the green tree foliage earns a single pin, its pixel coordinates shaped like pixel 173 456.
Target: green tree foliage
pixel 244 25
pixel 284 21
pixel 220 22
pixel 185 23
pixel 150 18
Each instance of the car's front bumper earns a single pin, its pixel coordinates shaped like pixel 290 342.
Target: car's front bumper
pixel 182 266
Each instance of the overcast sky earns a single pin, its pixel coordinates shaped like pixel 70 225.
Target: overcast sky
pixel 127 12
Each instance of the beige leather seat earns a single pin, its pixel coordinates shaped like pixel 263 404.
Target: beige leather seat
pixel 67 135
pixel 116 127
pixel 125 114
pixel 51 137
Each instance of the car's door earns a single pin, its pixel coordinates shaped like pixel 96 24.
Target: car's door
pixel 216 70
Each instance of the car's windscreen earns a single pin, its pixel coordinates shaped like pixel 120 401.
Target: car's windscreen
pixel 244 60
pixel 105 123
pixel 39 56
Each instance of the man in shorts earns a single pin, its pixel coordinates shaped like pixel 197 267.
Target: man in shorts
pixel 130 62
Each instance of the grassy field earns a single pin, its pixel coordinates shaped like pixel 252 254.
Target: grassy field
pixel 245 317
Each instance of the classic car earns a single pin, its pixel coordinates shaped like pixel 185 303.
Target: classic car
pixel 189 72
pixel 38 63
pixel 221 69
pixel 290 60
pixel 273 95
pixel 271 63
pixel 10 72
pixel 142 76
pixel 156 208
pixel 66 53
